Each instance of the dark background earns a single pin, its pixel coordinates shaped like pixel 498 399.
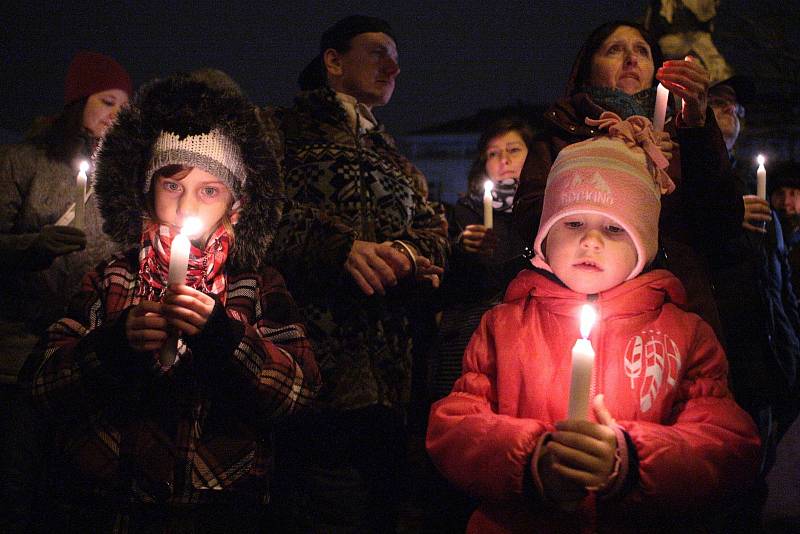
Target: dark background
pixel 456 57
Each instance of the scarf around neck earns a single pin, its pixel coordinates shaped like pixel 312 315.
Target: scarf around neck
pixel 642 103
pixel 502 195
pixel 206 267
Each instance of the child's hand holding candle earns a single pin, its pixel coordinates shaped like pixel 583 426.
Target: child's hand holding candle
pixel 178 265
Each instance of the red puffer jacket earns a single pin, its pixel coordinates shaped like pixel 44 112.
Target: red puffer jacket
pixel 664 377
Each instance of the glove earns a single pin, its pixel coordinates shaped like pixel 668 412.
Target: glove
pixel 55 241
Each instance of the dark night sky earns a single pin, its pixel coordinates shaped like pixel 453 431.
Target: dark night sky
pixel 457 57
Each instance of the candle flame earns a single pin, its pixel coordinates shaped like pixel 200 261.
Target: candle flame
pixel 488 186
pixel 191 226
pixel 588 317
pixel 84 166
pixel 761 159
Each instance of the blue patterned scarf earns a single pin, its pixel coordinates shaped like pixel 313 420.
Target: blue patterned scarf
pixel 642 103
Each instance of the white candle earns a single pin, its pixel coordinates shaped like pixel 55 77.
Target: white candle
pixel 662 95
pixel 179 250
pixel 80 196
pixel 179 259
pixel 178 265
pixel 761 178
pixel 582 364
pixel 488 211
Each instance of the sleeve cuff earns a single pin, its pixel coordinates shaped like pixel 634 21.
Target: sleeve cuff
pixel 537 480
pixel 109 342
pixel 622 477
pixel 219 337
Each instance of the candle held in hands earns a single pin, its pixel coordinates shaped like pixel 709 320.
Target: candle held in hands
pixel 662 96
pixel 80 196
pixel 488 211
pixel 179 259
pixel 761 178
pixel 582 365
pixel 178 265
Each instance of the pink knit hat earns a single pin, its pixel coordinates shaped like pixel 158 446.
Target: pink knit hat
pixel 92 72
pixel 620 175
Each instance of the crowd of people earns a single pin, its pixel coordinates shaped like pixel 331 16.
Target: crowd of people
pixel 266 383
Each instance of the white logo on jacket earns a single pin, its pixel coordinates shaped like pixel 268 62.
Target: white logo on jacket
pixel 649 357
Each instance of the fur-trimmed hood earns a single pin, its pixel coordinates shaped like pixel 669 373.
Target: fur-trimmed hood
pixel 187 105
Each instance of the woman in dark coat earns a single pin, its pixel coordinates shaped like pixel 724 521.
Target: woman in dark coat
pixel 616 70
pixel 483 261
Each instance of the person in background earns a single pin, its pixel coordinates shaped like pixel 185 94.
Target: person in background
pixel 41 255
pixel 482 263
pixel 38 182
pixel 358 244
pixel 617 70
pixel 727 99
pixel 784 195
pixel 483 260
pixel 663 445
pixel 757 305
pixel 177 444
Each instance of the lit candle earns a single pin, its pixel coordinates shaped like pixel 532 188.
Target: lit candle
pixel 582 364
pixel 487 204
pixel 662 95
pixel 761 178
pixel 80 196
pixel 178 265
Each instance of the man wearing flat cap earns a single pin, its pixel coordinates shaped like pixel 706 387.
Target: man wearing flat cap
pixel 359 245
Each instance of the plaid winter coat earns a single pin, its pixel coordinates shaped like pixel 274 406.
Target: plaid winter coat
pixel 345 185
pixel 138 434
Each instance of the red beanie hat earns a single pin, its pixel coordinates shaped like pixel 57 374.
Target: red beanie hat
pixel 92 72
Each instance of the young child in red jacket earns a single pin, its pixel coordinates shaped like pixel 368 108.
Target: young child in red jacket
pixel 665 443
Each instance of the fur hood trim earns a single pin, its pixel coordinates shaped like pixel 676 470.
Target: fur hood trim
pixel 185 105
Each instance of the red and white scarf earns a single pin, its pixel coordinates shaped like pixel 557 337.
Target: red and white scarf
pixel 206 267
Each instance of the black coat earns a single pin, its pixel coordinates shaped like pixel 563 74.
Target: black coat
pixel 759 312
pixel 471 285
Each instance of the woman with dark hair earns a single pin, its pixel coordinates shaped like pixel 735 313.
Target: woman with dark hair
pixel 616 70
pixel 42 256
pixel 484 260
pixel 39 249
pixel 482 263
pixel 502 149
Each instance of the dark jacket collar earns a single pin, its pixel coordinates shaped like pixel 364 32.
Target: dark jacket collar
pixel 569 113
